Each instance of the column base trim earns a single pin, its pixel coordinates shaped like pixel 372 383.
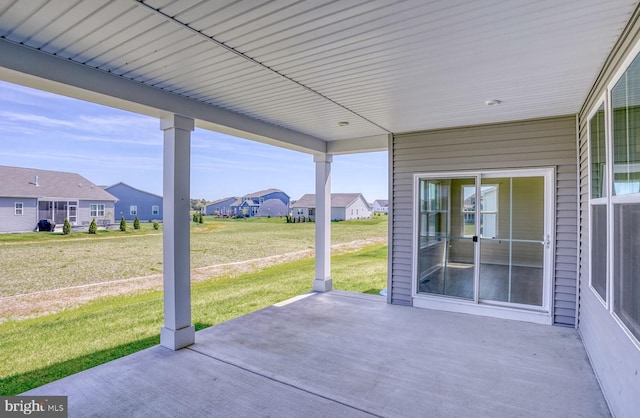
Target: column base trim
pixel 322 285
pixel 177 339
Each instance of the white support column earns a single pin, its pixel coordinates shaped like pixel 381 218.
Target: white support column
pixel 323 282
pixel 177 331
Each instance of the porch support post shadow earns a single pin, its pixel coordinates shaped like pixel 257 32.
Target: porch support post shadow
pixel 177 331
pixel 323 282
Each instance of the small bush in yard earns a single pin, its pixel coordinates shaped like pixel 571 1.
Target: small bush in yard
pixel 200 220
pixel 136 223
pixel 66 227
pixel 123 224
pixel 195 217
pixel 156 225
pixel 93 227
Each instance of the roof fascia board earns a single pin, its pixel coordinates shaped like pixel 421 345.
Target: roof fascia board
pixel 26 66
pixel 357 145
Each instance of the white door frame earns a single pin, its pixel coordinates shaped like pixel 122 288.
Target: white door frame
pixel 542 314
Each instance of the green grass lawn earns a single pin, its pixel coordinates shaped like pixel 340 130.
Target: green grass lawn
pixel 40 350
pixel 42 261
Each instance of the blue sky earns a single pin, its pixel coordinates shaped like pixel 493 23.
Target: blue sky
pixel 106 145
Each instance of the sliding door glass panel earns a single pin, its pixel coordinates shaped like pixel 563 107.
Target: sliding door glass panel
pixel 512 260
pixel 445 252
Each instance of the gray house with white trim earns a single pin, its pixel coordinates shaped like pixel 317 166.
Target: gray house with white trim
pixel 380 206
pixel 537 100
pixel 344 207
pixel 29 195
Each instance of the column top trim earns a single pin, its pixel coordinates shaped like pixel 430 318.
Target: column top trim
pixel 177 122
pixel 322 158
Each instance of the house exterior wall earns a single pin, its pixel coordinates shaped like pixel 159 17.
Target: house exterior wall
pixel 10 222
pixel 223 207
pixel 614 355
pixel 380 209
pixel 273 207
pixel 516 145
pixel 359 209
pixel 128 196
pixel 84 211
pixel 338 214
pixel 277 195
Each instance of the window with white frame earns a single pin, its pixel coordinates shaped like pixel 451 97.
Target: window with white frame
pixel 598 203
pixel 625 197
pixel 614 198
pixel 133 210
pixel 488 210
pixel 19 209
pixel 96 210
pixel 155 210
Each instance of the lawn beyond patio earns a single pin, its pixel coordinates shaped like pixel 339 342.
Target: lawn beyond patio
pixel 43 261
pixel 45 348
pixel 39 350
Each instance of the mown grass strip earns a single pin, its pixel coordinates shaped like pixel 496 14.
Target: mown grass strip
pixel 27 267
pixel 40 350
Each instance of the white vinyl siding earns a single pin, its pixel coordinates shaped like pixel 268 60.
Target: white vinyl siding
pixel 526 144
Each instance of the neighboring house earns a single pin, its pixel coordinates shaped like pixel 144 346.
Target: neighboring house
pixel 29 195
pixel 264 203
pixel 220 207
pixel 344 206
pixel 380 206
pixel 134 202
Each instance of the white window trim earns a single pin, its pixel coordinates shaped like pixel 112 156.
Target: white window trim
pixel 155 210
pixel 612 200
pixel 15 209
pixel 603 100
pixel 133 210
pixel 480 211
pixel 97 211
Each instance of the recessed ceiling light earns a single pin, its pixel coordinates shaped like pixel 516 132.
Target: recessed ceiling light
pixel 343 123
pixel 492 102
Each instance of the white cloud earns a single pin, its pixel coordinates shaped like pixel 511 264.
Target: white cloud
pixel 35 119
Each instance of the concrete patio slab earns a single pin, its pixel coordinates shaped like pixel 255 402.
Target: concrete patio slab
pixel 344 354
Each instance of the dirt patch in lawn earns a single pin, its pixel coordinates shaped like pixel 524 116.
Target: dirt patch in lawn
pixel 51 301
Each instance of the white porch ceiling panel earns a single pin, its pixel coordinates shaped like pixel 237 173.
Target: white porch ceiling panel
pixel 383 66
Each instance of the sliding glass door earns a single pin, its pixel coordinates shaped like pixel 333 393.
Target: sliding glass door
pixel 512 254
pixel 446 252
pixel 483 237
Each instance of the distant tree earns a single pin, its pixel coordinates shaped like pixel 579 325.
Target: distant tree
pixel 93 227
pixel 123 224
pixel 136 223
pixel 198 204
pixel 66 227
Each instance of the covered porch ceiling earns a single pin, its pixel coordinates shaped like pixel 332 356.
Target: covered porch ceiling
pixel 317 76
